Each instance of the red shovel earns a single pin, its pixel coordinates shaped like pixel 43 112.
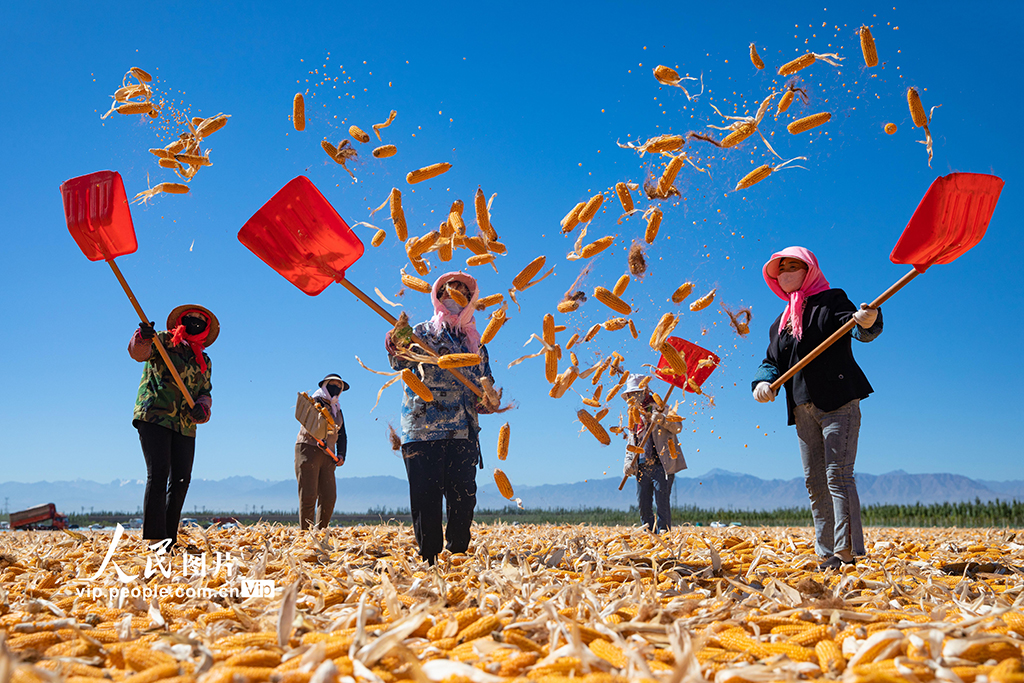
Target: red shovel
pixel 693 355
pixel 300 235
pixel 96 209
pixel 951 218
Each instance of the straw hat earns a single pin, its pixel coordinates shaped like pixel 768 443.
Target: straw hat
pixel 175 317
pixel 334 376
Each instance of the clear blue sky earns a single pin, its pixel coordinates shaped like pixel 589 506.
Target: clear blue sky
pixel 528 103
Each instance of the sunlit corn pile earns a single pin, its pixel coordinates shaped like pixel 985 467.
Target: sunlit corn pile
pixel 540 603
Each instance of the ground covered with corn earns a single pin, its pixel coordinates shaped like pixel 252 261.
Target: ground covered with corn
pixel 543 603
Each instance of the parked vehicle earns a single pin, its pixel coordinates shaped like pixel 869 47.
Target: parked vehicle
pixel 190 521
pixel 39 517
pixel 135 523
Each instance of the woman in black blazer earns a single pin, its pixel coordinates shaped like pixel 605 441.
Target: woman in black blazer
pixel 823 399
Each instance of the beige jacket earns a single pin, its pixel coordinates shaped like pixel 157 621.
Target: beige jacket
pixel 664 432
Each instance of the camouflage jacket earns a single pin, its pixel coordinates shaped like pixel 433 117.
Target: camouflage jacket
pixel 453 412
pixel 160 401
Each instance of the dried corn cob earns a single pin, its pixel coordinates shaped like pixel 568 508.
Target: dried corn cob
pixel 703 302
pixel 135 108
pixel 358 133
pixel 426 173
pixel 522 280
pixel 754 177
pixel 614 324
pixel 809 122
pixel 416 385
pixel 483 217
pixel 496 321
pixel 504 487
pixel 591 333
pixel 624 197
pixel 398 214
pixel 668 176
pixel 567 306
pixel 458 360
pixel 663 329
pixel 916 108
pixel 299 112
pixel 653 224
pixel 784 102
pixel 156 673
pixel 548 329
pixel 415 283
pixel 480 259
pixel 804 61
pixel 572 219
pixel 141 658
pixel 682 292
pixel 331 150
pixel 591 208
pixel 378 238
pixel 666 75
pixel 867 46
pixel 675 361
pixel 755 58
pixel 385 151
pixel 597 246
pixel 503 439
pixel 611 301
pixel 489 300
pixel 550 366
pixel 593 426
pixel 457 296
pixel 485 625
pixel 609 653
pixel 620 285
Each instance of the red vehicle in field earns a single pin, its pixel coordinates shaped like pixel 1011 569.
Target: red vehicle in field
pixel 39 517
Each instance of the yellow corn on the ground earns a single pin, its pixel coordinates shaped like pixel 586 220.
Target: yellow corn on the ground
pixel 34 641
pixel 867 46
pixel 458 360
pixel 416 385
pixel 703 302
pixel 385 151
pixel 625 198
pixel 830 657
pixel 426 173
pixel 254 658
pixel 358 133
pixel 755 58
pixel 522 280
pixel 504 488
pixel 609 652
pixel 590 209
pixel 572 219
pixel 597 246
pixel 485 625
pixel 299 112
pixel 809 122
pixel 415 283
pixel 378 238
pixel 653 225
pixel 157 673
pixel 611 301
pixel 809 636
pixel 916 108
pixel 142 658
pixel 593 426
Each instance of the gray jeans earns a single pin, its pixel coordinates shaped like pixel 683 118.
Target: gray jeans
pixel 318 491
pixel 828 448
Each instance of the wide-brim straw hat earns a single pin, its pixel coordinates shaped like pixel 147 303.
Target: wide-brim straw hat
pixel 175 317
pixel 334 376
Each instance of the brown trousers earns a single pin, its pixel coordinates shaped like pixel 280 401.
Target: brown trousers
pixel 317 490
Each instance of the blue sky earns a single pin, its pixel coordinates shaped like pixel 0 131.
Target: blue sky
pixel 526 102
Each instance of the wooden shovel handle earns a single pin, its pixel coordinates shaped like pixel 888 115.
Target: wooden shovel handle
pixel 156 340
pixel 391 319
pixel 842 331
pixel 647 434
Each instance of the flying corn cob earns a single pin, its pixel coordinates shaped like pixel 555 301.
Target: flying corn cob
pixel 703 302
pixel 483 217
pixel 809 122
pixel 458 360
pixel 563 382
pixel 572 219
pixel 674 359
pixel 497 319
pixel 331 150
pixel 455 217
pixel 624 197
pixel 590 209
pixel 663 329
pixel 567 306
pixel 804 61
pixel 615 324
pixel 784 102
pixel 653 224
pixel 417 385
pixel 489 300
pixel 420 266
pixel 358 133
pixel 916 108
pixel 632 329
pixel 668 176
pixel 755 58
pixel 415 283
pixel 672 451
pixel 592 332
pixel 759 174
pixel 426 173
pixel 551 366
pixel 867 46
pixel 737 136
pixel 611 301
pixel 457 296
pixel 597 246
pixel 620 285
pixel 572 342
pixel 211 125
pixel 299 112
pixel 548 328
pixel 503 438
pixel 504 487
pixel 665 74
pixel 385 151
pixel 475 245
pixel 682 292
pixel 522 280
pixel 141 75
pixel 593 426
pixel 398 215
pixel 480 259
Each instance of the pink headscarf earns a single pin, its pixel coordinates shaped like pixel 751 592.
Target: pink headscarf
pixel 814 282
pixel 462 322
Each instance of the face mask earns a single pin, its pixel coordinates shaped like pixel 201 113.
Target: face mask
pixel 333 390
pixel 193 325
pixel 453 307
pixel 792 281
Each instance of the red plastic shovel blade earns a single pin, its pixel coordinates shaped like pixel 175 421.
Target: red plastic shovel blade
pixel 951 218
pixel 300 235
pixel 98 216
pixel 692 354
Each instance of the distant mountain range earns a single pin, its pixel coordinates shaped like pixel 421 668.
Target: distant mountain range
pixel 715 489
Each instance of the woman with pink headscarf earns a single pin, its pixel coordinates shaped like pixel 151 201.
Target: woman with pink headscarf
pixel 440 441
pixel 823 399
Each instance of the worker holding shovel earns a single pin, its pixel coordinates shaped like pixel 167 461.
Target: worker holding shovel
pixel 823 398
pixel 660 458
pixel 316 460
pixel 440 441
pixel 166 423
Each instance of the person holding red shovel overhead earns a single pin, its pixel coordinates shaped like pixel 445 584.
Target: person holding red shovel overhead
pixel 167 426
pixel 822 399
pixel 440 441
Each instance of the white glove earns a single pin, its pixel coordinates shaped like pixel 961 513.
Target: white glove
pixel 763 393
pixel 865 317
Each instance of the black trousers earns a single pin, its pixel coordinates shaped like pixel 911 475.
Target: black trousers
pixel 169 457
pixel 436 469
